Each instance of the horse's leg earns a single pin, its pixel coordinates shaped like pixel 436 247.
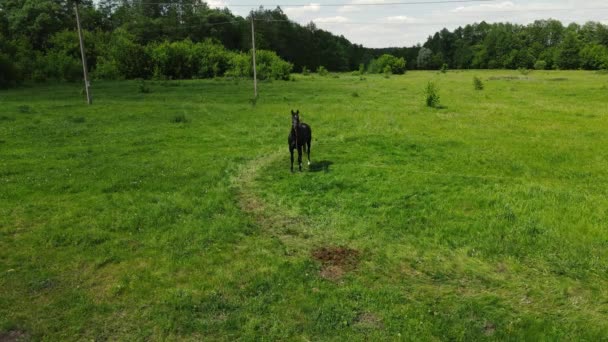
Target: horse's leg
pixel 291 152
pixel 308 150
pixel 300 157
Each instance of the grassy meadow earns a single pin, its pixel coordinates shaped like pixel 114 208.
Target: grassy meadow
pixel 172 215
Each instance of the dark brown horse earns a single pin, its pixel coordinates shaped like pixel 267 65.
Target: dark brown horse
pixel 299 137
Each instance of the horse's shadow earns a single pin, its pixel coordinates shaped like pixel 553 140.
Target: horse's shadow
pixel 319 166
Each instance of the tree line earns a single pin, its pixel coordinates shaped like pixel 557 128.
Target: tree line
pixel 188 39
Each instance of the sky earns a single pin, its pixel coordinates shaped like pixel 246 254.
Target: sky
pixel 406 25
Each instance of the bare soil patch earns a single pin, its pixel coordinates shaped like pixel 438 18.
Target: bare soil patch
pixel 369 320
pixel 13 336
pixel 489 329
pixel 336 261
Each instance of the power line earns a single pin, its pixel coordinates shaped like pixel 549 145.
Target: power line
pixel 400 3
pixel 397 23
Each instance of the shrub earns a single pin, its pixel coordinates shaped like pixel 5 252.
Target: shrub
pixel 387 71
pixel 132 60
pixel 10 53
pixel 594 57
pixel 179 118
pixel 477 83
pixel 56 65
pixel 25 109
pixel 270 66
pixel 305 71
pixel 213 60
pixel 322 71
pixel 524 71
pixel 143 87
pixel 77 119
pixel 176 60
pixel 540 65
pixel 106 69
pixel 432 98
pixel 9 74
pixel 396 65
pixel 361 69
pixel 240 65
pixel 444 68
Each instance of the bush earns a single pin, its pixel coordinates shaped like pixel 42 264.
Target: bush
pixel 179 118
pixel 396 65
pixel 9 75
pixel 444 68
pixel 271 66
pixel 432 98
pixel 213 60
pixel 143 87
pixel 240 65
pixel 177 60
pixel 56 65
pixel 305 71
pixel 524 71
pixel 322 71
pixel 540 65
pixel 477 83
pixel 387 71
pixel 594 57
pixel 132 60
pixel 106 70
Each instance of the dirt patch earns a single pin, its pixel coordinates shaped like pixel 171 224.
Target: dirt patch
pixel 332 272
pixel 336 261
pixel 369 320
pixel 13 336
pixel 489 329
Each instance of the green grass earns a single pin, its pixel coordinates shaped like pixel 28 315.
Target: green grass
pixel 173 214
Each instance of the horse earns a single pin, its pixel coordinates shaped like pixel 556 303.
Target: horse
pixel 299 137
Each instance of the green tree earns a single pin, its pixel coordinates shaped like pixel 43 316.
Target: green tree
pixel 594 56
pixel 424 58
pixel 568 51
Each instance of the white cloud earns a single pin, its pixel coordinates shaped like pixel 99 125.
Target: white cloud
pixel 302 10
pixel 336 19
pixel 403 19
pixel 217 3
pixel 381 26
pixel 507 5
pixel 358 2
pixel 350 8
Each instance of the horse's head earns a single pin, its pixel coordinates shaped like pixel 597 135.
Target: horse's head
pixel 295 118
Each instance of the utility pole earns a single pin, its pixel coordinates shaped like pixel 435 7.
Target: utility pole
pixel 84 58
pixel 255 77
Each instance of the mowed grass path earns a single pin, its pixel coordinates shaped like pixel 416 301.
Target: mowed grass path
pixel 486 219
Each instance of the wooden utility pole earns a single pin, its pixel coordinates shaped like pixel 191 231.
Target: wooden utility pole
pixel 255 77
pixel 84 57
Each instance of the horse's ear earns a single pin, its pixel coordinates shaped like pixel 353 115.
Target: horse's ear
pixel 292 113
pixel 298 111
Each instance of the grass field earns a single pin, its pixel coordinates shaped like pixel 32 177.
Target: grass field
pixel 173 214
